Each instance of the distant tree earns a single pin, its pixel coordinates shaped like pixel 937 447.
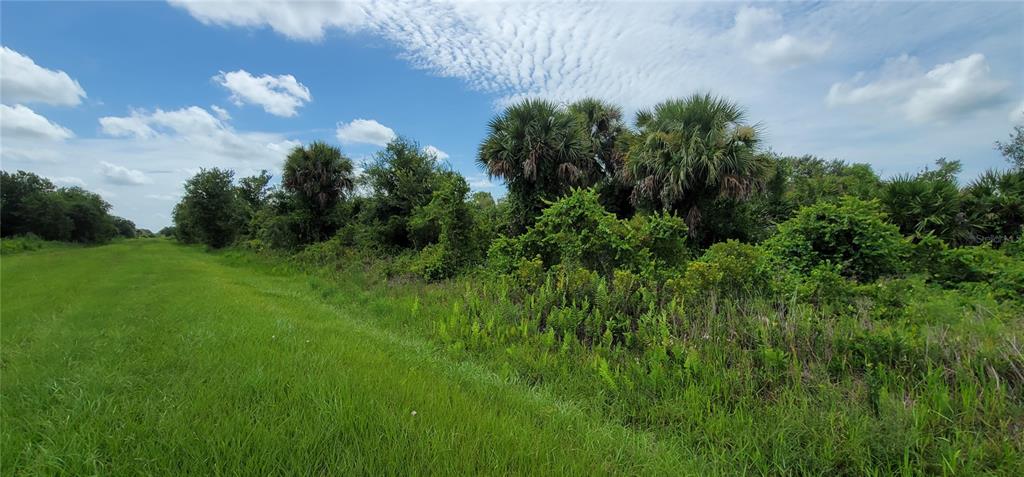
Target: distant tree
pixel 691 152
pixel 88 212
pixel 810 180
pixel 401 179
pixel 211 211
pixel 254 189
pixel 926 203
pixel 166 232
pixel 541 152
pixel 319 176
pixel 22 196
pixel 1013 150
pixel 125 228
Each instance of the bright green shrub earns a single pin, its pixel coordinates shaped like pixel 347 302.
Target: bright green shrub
pixel 729 269
pixel 851 234
pixel 575 230
pixel 663 235
pixel 982 264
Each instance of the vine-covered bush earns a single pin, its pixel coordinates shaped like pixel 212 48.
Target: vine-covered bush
pixel 578 231
pixel 851 234
pixel 729 269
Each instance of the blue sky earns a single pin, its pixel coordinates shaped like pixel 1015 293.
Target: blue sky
pixel 130 98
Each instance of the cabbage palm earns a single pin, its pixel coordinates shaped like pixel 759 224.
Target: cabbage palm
pixel 540 152
pixel 319 176
pixel 691 151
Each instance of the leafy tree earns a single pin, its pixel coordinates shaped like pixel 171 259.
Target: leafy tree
pixel 125 228
pixel 811 180
pixel 540 151
pixel 691 152
pixel 319 176
pixel 254 189
pixel 17 192
pixel 88 212
pixel 401 178
pixel 1013 150
pixel 211 211
pixel 449 215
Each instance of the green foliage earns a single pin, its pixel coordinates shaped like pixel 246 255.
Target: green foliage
pixel 541 152
pixel 402 179
pixel 812 180
pixel 319 176
pixel 125 228
pixel 928 203
pixel 729 269
pixel 575 231
pixel 1013 150
pixel 663 235
pixel 850 234
pixel 211 211
pixel 255 189
pixel 994 206
pixel 31 204
pixel 691 152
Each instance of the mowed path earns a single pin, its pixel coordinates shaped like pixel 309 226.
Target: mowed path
pixel 146 357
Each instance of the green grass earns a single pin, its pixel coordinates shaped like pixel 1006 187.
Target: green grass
pixel 144 357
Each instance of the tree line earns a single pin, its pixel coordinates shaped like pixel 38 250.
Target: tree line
pixel 30 204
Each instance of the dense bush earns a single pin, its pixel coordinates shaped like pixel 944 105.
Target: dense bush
pixel 577 231
pixel 211 211
pixel 851 234
pixel 730 269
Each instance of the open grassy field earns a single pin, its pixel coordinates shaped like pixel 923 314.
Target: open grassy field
pixel 146 357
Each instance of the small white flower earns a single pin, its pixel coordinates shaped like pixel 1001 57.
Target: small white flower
pixel 414 413
pixel 273 337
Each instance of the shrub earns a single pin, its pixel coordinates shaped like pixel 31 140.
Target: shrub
pixel 575 230
pixel 851 234
pixel 663 235
pixel 731 269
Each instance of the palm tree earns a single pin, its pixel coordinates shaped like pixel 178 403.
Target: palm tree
pixel 319 176
pixel 691 151
pixel 608 138
pixel 540 152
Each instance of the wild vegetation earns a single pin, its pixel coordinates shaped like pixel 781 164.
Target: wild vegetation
pixel 751 312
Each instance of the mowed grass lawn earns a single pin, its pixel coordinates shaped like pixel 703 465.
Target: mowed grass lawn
pixel 146 357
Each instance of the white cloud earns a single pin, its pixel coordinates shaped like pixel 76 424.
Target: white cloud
pixel 480 182
pixel 164 197
pixel 364 131
pixel 221 113
pixel 788 51
pixel 68 181
pixel 435 152
pixel 754 29
pixel 23 81
pixel 945 92
pixel 20 122
pixel 1017 113
pixel 120 175
pixel 278 95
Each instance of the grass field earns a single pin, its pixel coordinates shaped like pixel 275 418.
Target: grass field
pixel 145 357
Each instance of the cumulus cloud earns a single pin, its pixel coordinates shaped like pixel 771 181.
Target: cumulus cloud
pixel 278 95
pixel 196 128
pixel 23 81
pixel 364 131
pixel 435 152
pixel 20 122
pixel 119 175
pixel 221 113
pixel 945 92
